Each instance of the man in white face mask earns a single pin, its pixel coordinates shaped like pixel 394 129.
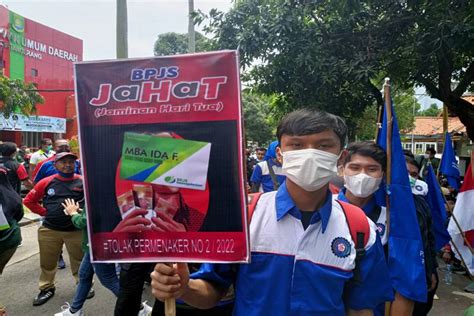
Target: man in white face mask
pixel 363 170
pixel 303 256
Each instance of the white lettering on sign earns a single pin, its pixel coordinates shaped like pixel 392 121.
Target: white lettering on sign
pixel 36 45
pixel 62 54
pixel 34 49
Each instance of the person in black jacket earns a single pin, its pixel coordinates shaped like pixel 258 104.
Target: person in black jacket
pixel 16 171
pixel 57 228
pixel 425 221
pixel 11 212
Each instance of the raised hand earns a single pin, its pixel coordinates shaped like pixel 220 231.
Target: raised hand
pixel 71 207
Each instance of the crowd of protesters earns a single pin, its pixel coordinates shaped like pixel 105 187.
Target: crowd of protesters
pixel 318 235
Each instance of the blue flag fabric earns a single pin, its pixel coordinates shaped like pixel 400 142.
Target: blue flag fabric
pixel 438 209
pixel 449 166
pixel 405 247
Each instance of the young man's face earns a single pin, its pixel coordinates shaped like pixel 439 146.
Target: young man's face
pixel 429 154
pixel 65 165
pixel 325 141
pixel 412 170
pixel 260 154
pixel 363 164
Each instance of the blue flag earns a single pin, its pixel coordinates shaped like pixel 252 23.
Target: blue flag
pixel 438 209
pixel 449 166
pixel 405 247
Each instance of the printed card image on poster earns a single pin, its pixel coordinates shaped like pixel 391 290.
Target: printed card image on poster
pixel 161 148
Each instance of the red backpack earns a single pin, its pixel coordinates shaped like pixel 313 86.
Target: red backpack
pixel 357 222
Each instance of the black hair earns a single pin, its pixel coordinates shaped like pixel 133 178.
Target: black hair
pixel 431 150
pixel 407 152
pixel 307 122
pixel 45 141
pixel 367 149
pixel 260 149
pixel 7 149
pixel 412 161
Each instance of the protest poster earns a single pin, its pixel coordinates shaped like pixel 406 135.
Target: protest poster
pixel 162 158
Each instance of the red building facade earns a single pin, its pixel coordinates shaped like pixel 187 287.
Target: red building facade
pixel 36 53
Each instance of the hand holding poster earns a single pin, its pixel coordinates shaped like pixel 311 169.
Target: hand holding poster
pixel 161 143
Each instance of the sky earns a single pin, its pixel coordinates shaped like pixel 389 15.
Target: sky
pixel 94 21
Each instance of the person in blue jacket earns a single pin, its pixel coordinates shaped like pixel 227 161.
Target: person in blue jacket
pixel 303 258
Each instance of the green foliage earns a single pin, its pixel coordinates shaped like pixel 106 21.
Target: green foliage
pixel 403 102
pixel 433 110
pixel 331 54
pixel 175 43
pixel 258 123
pixel 18 97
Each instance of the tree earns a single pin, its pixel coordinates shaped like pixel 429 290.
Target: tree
pixel 175 43
pixel 328 54
pixel 433 110
pixel 258 124
pixel 406 106
pixel 17 96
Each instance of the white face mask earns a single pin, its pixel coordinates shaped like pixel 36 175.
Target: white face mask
pixel 412 181
pixel 362 185
pixel 310 169
pixel 427 156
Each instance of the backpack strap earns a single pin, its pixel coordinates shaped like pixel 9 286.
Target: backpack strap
pixel 359 229
pixel 252 204
pixel 276 185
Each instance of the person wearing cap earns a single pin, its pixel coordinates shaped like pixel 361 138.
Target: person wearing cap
pixel 57 227
pixel 46 167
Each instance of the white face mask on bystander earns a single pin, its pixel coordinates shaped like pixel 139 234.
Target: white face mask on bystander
pixel 310 169
pixel 362 185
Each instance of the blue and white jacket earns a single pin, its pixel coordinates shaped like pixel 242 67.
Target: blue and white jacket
pixel 380 222
pixel 294 271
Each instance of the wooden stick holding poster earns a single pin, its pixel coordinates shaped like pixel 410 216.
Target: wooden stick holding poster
pixel 388 109
pixel 161 143
pixel 170 307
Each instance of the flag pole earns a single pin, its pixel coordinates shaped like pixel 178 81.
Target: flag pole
pixel 460 230
pixel 388 175
pixel 458 226
pixel 462 259
pixel 445 130
pixel 455 219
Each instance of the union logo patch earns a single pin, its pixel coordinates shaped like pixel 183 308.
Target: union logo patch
pixel 381 229
pixel 51 192
pixel 419 188
pixel 341 247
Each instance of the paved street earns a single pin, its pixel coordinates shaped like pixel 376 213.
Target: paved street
pixel 18 286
